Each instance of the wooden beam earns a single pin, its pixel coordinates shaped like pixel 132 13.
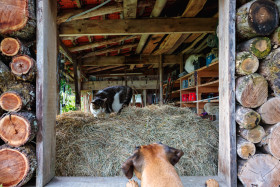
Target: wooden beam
pixel 178 43
pixel 138 26
pixel 98 85
pixel 64 50
pixel 199 48
pixel 107 9
pixel 77 86
pixel 227 130
pixel 130 60
pixel 46 90
pixel 168 43
pixel 160 81
pixel 191 47
pixel 100 43
pixel 110 49
pixel 79 4
pixel 102 69
pixel 158 7
pixel 129 9
pixel 153 42
pixel 192 37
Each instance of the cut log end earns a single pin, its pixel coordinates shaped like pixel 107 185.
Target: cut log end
pixel 263 17
pixel 249 65
pixel 14 15
pixel 10 101
pixel 21 65
pixel 245 149
pixel 14 130
pixel 10 46
pixel 261 47
pixel 254 135
pixel 14 167
pixel 270 111
pixel 246 63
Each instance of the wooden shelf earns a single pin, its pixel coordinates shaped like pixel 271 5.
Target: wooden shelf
pixel 189 89
pixel 213 83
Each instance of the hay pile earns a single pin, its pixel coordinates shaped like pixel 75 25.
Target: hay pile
pixel 87 146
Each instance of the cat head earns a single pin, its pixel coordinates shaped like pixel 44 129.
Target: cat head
pixel 98 103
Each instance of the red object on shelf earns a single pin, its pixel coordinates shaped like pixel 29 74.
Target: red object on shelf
pixel 185 97
pixel 192 96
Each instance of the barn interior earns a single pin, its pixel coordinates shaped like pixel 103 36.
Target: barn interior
pixel 141 44
pixel 166 51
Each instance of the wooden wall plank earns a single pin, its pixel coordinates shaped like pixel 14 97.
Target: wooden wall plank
pixel 227 128
pixel 46 89
pixel 138 26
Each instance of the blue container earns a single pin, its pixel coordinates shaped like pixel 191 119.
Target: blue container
pixel 209 59
pixel 185 83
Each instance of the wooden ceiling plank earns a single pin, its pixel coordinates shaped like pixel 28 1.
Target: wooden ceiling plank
pixel 158 7
pixel 152 43
pixel 129 9
pixel 201 46
pixel 138 26
pixel 107 9
pixel 130 60
pixel 178 43
pixel 192 37
pixel 193 44
pixel 111 49
pixel 192 9
pixel 102 69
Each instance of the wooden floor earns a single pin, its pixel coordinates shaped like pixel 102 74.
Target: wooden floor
pixel 197 181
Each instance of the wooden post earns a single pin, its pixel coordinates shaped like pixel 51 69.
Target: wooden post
pixel 46 90
pixel 181 84
pixel 227 131
pixel 160 81
pixel 77 85
pixel 133 100
pixel 145 97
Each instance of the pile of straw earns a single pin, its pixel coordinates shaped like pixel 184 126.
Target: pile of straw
pixel 87 146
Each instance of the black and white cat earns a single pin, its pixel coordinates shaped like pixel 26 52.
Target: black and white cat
pixel 111 99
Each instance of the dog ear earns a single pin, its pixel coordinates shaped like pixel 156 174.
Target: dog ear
pixel 174 155
pixel 128 167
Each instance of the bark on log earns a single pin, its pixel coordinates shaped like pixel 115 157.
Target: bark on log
pixel 246 63
pixel 259 170
pixel 275 38
pixel 254 135
pixel 211 108
pixel 270 111
pixel 270 143
pixel 259 46
pixel 245 149
pixel 5 76
pixel 18 18
pixel 16 129
pixel 247 118
pixel 24 68
pixel 257 18
pixel 251 90
pixel 18 96
pixel 17 165
pixel 11 47
pixel 270 69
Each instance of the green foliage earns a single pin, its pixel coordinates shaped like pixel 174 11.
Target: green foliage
pixel 1 185
pixel 67 98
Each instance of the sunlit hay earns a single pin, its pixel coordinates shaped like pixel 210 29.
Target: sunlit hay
pixel 87 146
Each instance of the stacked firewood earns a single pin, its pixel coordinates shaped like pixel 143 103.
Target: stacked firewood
pixel 18 125
pixel 258 93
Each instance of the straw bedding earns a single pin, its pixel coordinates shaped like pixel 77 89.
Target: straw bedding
pixel 87 146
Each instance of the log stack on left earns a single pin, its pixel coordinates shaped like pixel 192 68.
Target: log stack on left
pixel 258 93
pixel 18 125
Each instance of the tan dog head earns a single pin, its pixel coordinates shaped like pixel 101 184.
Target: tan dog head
pixel 145 153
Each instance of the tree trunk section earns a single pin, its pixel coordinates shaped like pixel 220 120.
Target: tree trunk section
pixel 23 67
pixel 259 46
pixel 270 111
pixel 270 143
pixel 16 129
pixel 17 165
pixel 270 69
pixel 257 18
pixel 18 19
pixel 261 170
pixel 246 63
pixel 254 135
pixel 17 97
pixel 12 47
pixel 251 90
pixel 5 76
pixel 245 149
pixel 247 118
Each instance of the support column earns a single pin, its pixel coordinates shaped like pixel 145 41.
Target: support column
pixel 160 81
pixel 145 97
pixel 77 79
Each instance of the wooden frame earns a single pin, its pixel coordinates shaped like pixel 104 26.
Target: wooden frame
pixel 46 100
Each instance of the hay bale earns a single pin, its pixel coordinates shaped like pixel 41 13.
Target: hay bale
pixel 87 146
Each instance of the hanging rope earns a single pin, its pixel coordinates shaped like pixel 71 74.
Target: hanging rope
pixel 89 10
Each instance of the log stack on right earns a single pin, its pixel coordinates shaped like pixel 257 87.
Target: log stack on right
pixel 258 93
pixel 18 125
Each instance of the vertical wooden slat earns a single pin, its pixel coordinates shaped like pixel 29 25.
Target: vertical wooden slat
pixel 46 89
pixel 160 81
pixel 227 128
pixel 77 83
pixel 145 97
